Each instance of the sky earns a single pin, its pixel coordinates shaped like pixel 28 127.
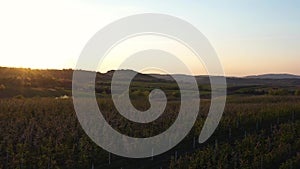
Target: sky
pixel 249 36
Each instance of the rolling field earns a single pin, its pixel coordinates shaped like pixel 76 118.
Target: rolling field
pixel 260 127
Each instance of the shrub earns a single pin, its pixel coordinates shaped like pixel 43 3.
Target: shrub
pixel 2 87
pixel 278 92
pixel 19 97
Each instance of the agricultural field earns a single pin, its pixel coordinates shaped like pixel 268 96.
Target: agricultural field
pixel 260 127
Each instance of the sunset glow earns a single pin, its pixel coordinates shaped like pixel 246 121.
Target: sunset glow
pixel 51 34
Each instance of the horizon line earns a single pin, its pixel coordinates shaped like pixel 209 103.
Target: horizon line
pixel 242 76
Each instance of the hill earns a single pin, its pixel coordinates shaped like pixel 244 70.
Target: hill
pixel 274 76
pixel 55 83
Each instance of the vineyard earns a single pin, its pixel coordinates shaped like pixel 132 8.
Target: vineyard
pixel 255 132
pixel 260 127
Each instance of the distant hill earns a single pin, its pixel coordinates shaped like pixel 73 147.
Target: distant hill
pixel 32 82
pixel 273 76
pixel 265 79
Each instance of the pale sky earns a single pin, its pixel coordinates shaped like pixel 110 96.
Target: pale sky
pixel 249 36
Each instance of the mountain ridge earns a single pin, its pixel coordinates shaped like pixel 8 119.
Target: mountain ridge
pixel 274 76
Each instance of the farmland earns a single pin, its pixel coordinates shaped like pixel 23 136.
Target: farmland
pixel 260 127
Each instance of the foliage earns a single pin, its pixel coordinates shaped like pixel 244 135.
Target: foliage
pixel 2 87
pixel 260 127
pixel 280 92
pixel 297 92
pixel 45 133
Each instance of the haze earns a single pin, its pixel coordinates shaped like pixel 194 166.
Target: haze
pixel 250 36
